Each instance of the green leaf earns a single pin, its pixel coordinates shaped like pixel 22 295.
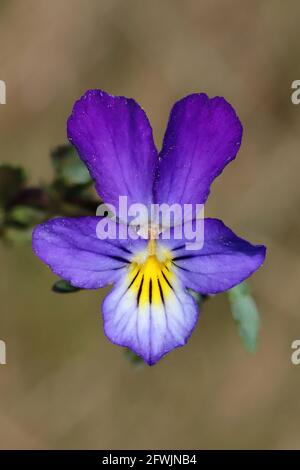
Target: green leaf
pixel 68 167
pixel 135 360
pixel 17 236
pixel 12 180
pixel 245 314
pixel 64 287
pixel 25 215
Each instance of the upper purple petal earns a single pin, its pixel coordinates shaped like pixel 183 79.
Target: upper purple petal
pixel 202 136
pixel 224 261
pixel 114 138
pixel 71 248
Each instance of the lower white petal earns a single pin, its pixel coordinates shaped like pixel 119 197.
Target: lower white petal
pixel 149 310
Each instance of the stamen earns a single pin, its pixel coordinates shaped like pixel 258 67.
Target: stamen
pixel 151 247
pixel 151 278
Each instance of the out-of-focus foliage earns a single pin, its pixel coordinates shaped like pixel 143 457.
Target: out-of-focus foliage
pixel 68 168
pixel 23 206
pixel 12 180
pixel 245 314
pixel 64 287
pixel 133 359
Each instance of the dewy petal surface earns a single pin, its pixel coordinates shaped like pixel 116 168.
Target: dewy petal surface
pixel 224 261
pixel 113 137
pixel 71 248
pixel 149 311
pixel 203 135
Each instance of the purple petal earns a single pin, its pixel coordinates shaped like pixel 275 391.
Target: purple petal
pixel 202 136
pixel 224 261
pixel 71 248
pixel 154 327
pixel 114 138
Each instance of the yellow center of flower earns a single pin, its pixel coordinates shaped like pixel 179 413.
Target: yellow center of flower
pixel 150 276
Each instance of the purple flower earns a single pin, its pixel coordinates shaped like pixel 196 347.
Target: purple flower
pixel 149 309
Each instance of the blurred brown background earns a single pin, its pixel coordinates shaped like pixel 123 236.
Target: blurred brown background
pixel 65 385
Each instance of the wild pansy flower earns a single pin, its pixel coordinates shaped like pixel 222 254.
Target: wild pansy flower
pixel 150 309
